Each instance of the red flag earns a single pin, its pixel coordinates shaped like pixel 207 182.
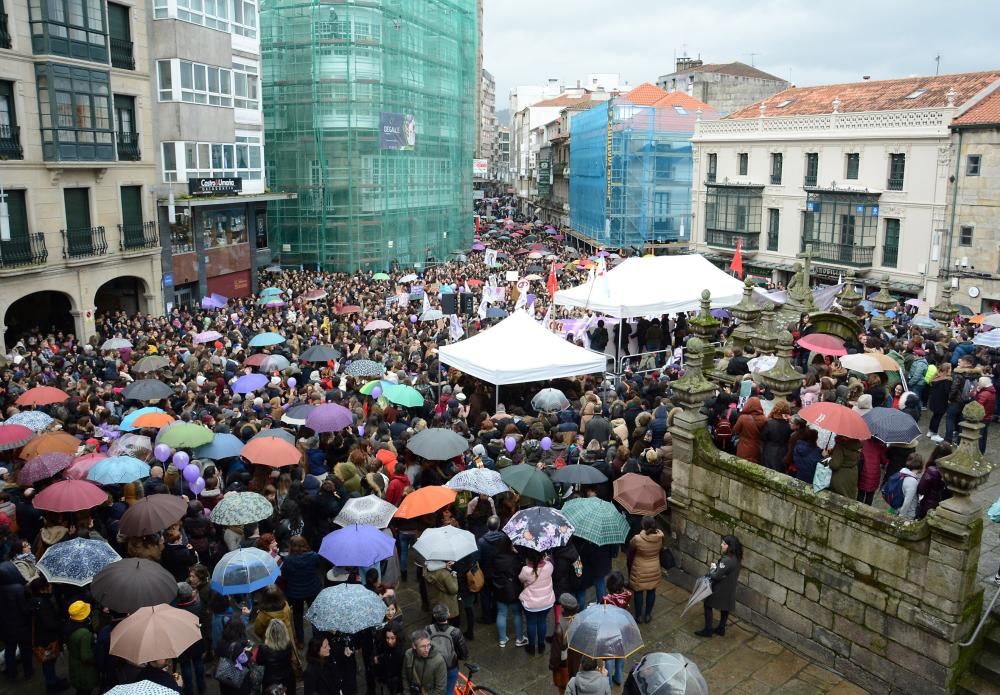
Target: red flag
pixel 737 265
pixel 552 285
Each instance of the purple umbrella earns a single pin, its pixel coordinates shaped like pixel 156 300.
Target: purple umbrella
pixel 329 417
pixel 206 336
pixel 478 247
pixel 357 546
pixel 44 466
pixel 249 382
pixel 210 303
pixel 721 313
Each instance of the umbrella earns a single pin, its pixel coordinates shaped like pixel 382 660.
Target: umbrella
pixel 989 338
pixel 578 474
pixel 431 315
pixel 836 418
pixel 76 561
pixel 35 420
pixel 142 687
pixel 357 546
pixel 891 426
pixel 118 470
pixel 378 325
pixel 380 276
pixel 272 302
pixel 48 443
pixel 70 496
pixel 297 414
pixel 147 390
pixel 243 571
pixel 702 590
pixel 549 401
pixel 868 363
pixel 991 320
pixel 211 303
pixel 255 360
pixel 640 494
pixel 150 364
pixel 222 446
pixel 44 466
pixel 329 417
pixel 481 481
pixel 478 247
pixel 82 464
pixel 153 633
pixel 128 585
pixel 823 344
pixel 116 344
pixel 529 481
pixel 425 500
pixel 42 395
pixel 596 521
pixel 365 368
pixel 153 420
pixel 249 382
pixel 185 435
pixel 313 295
pixel 539 528
pixel 924 322
pixel 368 388
pixel 137 445
pixel 151 515
pixel 274 363
pixel 320 353
pixel 660 673
pixel 603 631
pixel 446 543
pixel 275 433
pixel 404 395
pixel 273 269
pixel 128 422
pixel 241 508
pixel 964 310
pixel 409 277
pixel 721 313
pixel 271 291
pixel 370 510
pixel 346 608
pixel 206 337
pixel 265 339
pixel 915 302
pixel 348 309
pixel 437 444
pixel 14 436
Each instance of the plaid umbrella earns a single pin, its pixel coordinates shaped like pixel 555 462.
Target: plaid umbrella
pixel 540 528
pixel 604 632
pixel 891 426
pixel 76 561
pixel 596 521
pixel 34 420
pixel 481 481
pixel 346 608
pixel 320 353
pixel 44 466
pixel 365 368
pixel 147 390
pixel 369 510
pixel 245 570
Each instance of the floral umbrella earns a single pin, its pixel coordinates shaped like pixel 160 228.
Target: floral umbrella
pixel 539 528
pixel 44 466
pixel 346 608
pixel 34 420
pixel 76 561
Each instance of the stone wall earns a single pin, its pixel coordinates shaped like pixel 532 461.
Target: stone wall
pixel 882 601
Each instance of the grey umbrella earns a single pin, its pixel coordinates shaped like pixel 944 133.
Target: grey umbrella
pixel 150 363
pixel 274 363
pixel 578 474
pixel 604 632
pixel 437 444
pixel 133 583
pixel 365 368
pixel 148 390
pixel 549 401
pixel 320 353
pixel 666 674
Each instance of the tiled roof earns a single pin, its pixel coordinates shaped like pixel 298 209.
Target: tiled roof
pixel 873 95
pixel 683 99
pixel 736 69
pixel 565 100
pixel 645 94
pixel 986 112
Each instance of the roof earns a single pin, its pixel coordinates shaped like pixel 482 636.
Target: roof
pixel 986 112
pixel 684 100
pixel 645 94
pixel 736 69
pixel 873 95
pixel 566 100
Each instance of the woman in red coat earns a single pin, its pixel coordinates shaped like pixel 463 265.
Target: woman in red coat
pixel 874 459
pixel 748 427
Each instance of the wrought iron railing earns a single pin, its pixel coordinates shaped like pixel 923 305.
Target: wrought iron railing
pixel 23 250
pixel 138 236
pixel 10 142
pixel 810 180
pixel 844 254
pixel 128 146
pixel 895 183
pixel 83 242
pixel 727 240
pixel 121 54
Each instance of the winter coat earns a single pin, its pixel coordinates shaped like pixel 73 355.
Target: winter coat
pixel 805 456
pixel 844 464
pixel 264 619
pixel 724 579
pixel 596 561
pixel 588 683
pixel 302 580
pixel 910 484
pixel 80 648
pixel 442 587
pixel 564 576
pixel 177 559
pixel 918 370
pixel 645 572
pixel 958 379
pixel 937 399
pixel 874 459
pixel 427 676
pixel 749 425
pixel 962 349
pixel 775 436
pixel 321 678
pixel 277 665
pixel 987 398
pixel 537 594
pixel 504 577
pixel 931 489
pixel 13 598
pixel 394 491
pixel 488 545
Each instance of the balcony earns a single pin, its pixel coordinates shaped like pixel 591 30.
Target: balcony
pixel 138 236
pixel 4 33
pixel 84 242
pixel 810 181
pixel 727 240
pixel 841 254
pixel 10 142
pixel 895 183
pixel 23 250
pixel 128 147
pixel 121 54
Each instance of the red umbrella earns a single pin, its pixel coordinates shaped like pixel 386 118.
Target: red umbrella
pixel 81 464
pixel 271 451
pixel 838 419
pixel 42 395
pixel 70 496
pixel 14 436
pixel 349 309
pixel 474 282
pixel 255 360
pixel 823 344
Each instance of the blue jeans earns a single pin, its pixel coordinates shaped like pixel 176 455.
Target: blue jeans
pixel 600 587
pixel 537 627
pixel 951 422
pixel 452 679
pixel 644 599
pixel 192 672
pixel 515 609
pixel 615 667
pixel 405 539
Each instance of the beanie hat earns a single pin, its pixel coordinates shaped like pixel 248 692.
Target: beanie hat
pixel 79 610
pixel 569 602
pixel 311 482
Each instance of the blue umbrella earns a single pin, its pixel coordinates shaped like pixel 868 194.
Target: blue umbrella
pixel 356 546
pixel 271 291
pixel 891 426
pixel 223 446
pixel 346 608
pixel 76 561
pixel 34 420
pixel 127 421
pixel 118 470
pixel 246 570
pixel 495 312
pixel 265 339
pixel 250 382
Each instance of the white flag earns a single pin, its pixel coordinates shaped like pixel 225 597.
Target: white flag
pixel 482 306
pixel 547 319
pixel 427 302
pixel 455 331
pixel 491 258
pixel 602 274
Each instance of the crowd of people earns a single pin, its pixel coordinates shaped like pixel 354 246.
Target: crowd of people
pixel 616 427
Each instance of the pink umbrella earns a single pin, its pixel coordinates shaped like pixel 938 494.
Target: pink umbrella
pixel 478 247
pixel 378 325
pixel 70 496
pixel 823 344
pixel 315 294
pixel 206 337
pixel 81 464
pixel 44 466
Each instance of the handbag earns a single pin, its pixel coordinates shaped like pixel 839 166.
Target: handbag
pixel 256 672
pixel 822 477
pixel 667 560
pixel 475 579
pixel 228 673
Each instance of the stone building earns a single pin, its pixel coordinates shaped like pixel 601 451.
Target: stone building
pixel 77 174
pixel 727 87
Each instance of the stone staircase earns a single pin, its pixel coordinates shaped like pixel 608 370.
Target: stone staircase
pixel 983 675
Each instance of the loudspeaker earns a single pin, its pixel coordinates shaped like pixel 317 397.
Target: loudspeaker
pixel 465 301
pixel 449 303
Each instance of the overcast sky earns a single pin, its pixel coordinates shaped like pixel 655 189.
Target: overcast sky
pixel 806 42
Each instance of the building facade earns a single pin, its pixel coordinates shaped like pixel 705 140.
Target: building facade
pixel 488 123
pixel 503 155
pixel 77 172
pixel 370 115
pixel 856 174
pixel 726 87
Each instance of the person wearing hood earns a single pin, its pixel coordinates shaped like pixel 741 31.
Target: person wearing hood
pixel 749 426
pixel 964 383
pixel 986 396
pixel 424 668
pixel 874 459
pixel 15 627
pixel 964 348
pixel 398 482
pixel 806 455
pixel 591 679
pixel 844 464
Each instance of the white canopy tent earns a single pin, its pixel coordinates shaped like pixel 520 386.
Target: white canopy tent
pixel 654 285
pixel 518 350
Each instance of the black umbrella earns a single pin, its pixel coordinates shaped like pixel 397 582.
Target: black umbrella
pixel 148 390
pixel 320 353
pixel 579 474
pixel 133 583
pixel 437 444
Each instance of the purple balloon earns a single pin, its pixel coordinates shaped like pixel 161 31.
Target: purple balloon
pixel 198 486
pixel 377 392
pixel 181 459
pixel 413 318
pixel 546 443
pixel 510 444
pixel 291 382
pixel 191 474
pixel 161 452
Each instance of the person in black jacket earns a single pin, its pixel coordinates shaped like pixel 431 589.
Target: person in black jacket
pixel 489 544
pixel 505 567
pixel 275 655
pixel 596 566
pixel 389 652
pixel 567 573
pixel 15 625
pixel 321 677
pixel 724 577
pixel 47 631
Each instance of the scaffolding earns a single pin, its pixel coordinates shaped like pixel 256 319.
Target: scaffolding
pixel 646 155
pixel 339 76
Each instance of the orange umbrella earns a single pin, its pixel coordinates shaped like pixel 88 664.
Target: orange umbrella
pixel 977 319
pixel 153 633
pixel 49 442
pixel 42 395
pixel 155 420
pixel 271 451
pixel 426 500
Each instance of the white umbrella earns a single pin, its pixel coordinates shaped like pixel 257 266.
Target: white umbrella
pixel 431 315
pixel 116 344
pixel 409 277
pixel 445 543
pixel 989 338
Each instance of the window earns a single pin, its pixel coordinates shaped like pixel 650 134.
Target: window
pixel 853 164
pixel 244 158
pixel 248 157
pixel 166 80
pixel 973 163
pixel 160 10
pixel 74 107
pixel 169 162
pixel 773 222
pixel 733 213
pixel 812 169
pixel 890 250
pixel 17 217
pixel 965 235
pixel 897 168
pixel 681 110
pixel 205 84
pixel 712 167
pixel 776 159
pixel 841 226
pixel 246 86
pixel 120 37
pixel 783 103
pixel 224 227
pixel 10 134
pixel 210 13
pixel 245 18
pixel 916 94
pixel 74 28
pixel 126 135
pixel 743 161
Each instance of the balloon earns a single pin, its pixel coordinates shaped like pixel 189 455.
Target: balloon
pixel 510 444
pixel 161 453
pixel 191 474
pixel 377 392
pixel 413 318
pixel 546 443
pixel 181 459
pixel 291 382
pixel 198 486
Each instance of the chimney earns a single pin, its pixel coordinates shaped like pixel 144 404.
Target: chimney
pixel 686 63
pixel 866 77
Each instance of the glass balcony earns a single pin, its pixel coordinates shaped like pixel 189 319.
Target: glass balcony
pixel 727 240
pixel 84 242
pixel 23 250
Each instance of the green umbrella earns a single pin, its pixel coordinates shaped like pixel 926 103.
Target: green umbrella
pixel 529 481
pixel 596 521
pixel 403 395
pixel 380 276
pixel 367 388
pixel 185 435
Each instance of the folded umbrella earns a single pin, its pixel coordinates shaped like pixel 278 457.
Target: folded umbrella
pixel 357 546
pixel 153 633
pixel 369 510
pixel 147 390
pixel 640 494
pixel 320 353
pixel 241 508
pixel 529 481
pixel 76 561
pixel 603 631
pixel 437 444
pixel 425 500
pixel 49 443
pixel 346 608
pixel 891 426
pixel 578 474
pixel 539 528
pixel 223 446
pixel 329 417
pixel 836 418
pixel 549 401
pixel 128 585
pixel 152 514
pixel 446 543
pixel 35 420
pixel 243 571
pixel 702 590
pixel 660 673
pixel 250 382
pixel 14 436
pixel 596 521
pixel 271 451
pixel 43 466
pixel 481 481
pixel 69 496
pixel 118 470
pixel 42 395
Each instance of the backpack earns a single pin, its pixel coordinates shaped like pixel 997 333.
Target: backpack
pixel 968 391
pixel 892 490
pixel 723 431
pixel 444 644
